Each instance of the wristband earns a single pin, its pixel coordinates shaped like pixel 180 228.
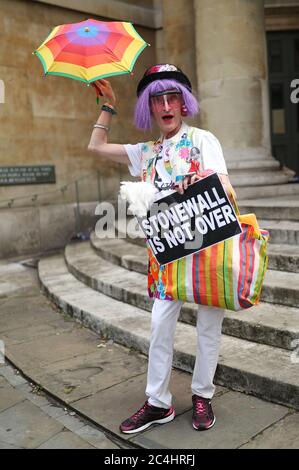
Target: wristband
pixel 108 109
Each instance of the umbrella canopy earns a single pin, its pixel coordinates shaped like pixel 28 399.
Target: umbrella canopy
pixel 91 49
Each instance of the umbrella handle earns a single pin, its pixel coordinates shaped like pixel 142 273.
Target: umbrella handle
pixel 98 92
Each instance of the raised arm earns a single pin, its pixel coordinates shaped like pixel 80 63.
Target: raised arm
pixel 99 138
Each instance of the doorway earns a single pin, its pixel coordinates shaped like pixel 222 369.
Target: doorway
pixel 283 68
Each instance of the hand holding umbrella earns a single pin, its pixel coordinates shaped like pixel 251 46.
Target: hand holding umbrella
pixel 104 88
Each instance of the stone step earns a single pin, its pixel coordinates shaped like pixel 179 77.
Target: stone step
pixel 252 192
pixel 281 287
pixel 283 208
pixel 281 257
pixel 284 233
pixel 117 251
pixel 275 325
pixel 257 369
pixel 253 165
pixel 259 179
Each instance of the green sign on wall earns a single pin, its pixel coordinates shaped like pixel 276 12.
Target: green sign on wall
pixel 36 174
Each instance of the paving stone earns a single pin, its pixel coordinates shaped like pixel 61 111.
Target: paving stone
pixel 34 395
pixel 66 440
pixel 16 380
pixel 238 417
pixel 147 443
pixel 115 404
pixel 96 438
pixel 19 425
pixel 282 435
pixel 53 410
pixel 52 349
pixel 72 423
pixel 36 314
pixel 17 281
pixel 4 445
pixel 15 314
pixel 44 330
pixel 82 376
pixel 9 396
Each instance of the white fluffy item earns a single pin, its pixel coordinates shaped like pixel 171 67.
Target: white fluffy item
pixel 140 196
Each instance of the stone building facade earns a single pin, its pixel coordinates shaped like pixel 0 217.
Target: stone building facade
pixel 221 44
pixel 241 55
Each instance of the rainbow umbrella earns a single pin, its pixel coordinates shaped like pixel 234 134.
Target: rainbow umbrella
pixel 90 50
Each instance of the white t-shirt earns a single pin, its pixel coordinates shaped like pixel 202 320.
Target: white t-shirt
pixel 211 154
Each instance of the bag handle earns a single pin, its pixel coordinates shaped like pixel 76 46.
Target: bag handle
pixel 234 203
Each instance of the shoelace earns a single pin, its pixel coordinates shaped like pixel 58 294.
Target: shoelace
pixel 201 407
pixel 140 412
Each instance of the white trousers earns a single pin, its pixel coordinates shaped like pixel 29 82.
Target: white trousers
pixel 165 314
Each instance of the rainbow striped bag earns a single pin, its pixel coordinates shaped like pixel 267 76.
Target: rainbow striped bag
pixel 228 274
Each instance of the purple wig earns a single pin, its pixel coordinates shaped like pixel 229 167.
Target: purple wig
pixel 143 117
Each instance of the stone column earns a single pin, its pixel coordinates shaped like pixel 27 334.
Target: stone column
pixel 178 36
pixel 232 75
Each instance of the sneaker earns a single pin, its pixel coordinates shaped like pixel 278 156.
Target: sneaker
pixel 146 416
pixel 203 417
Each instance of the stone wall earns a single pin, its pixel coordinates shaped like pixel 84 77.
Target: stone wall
pixel 49 121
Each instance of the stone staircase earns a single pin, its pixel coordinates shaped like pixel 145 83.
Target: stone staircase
pixel 261 178
pixel 102 282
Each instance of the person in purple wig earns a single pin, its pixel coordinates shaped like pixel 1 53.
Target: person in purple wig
pixel 180 156
pixel 143 113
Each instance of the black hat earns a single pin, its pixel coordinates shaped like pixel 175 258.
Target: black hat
pixel 160 72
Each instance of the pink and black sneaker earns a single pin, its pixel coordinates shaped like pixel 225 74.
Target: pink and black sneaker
pixel 203 417
pixel 147 415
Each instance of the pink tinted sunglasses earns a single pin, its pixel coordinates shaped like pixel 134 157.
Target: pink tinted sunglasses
pixel 173 98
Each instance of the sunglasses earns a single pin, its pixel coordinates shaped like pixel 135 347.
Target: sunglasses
pixel 173 98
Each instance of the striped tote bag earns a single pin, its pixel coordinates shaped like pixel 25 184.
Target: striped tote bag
pixel 228 274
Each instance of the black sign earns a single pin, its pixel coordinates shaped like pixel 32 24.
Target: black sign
pixel 37 174
pixel 181 224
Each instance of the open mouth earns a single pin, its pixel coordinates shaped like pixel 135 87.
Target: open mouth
pixel 167 117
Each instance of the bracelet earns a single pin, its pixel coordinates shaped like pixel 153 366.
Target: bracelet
pixel 108 109
pixel 101 126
